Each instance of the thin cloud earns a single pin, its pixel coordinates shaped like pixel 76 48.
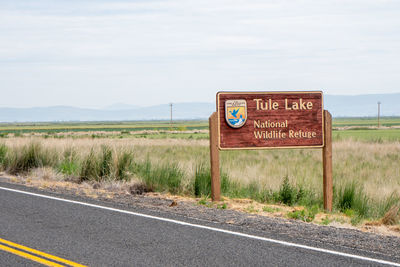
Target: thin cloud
pixel 156 52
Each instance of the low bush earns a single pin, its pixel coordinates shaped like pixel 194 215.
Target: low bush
pixel 287 193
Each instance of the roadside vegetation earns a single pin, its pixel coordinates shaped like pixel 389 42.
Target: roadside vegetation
pixel 366 174
pixel 161 158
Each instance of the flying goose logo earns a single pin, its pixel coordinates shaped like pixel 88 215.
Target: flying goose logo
pixel 236 112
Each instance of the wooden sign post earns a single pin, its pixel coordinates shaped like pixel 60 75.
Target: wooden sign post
pixel 327 162
pixel 266 120
pixel 214 158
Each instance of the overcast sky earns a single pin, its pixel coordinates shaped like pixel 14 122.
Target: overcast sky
pixel 96 53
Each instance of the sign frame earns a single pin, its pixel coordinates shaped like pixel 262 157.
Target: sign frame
pixel 271 93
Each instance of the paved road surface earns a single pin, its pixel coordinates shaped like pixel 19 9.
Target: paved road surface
pixel 95 236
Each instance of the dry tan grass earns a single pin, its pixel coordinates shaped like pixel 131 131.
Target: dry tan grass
pixel 374 166
pixel 392 216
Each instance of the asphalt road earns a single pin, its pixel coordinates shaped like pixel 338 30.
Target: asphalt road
pixel 95 236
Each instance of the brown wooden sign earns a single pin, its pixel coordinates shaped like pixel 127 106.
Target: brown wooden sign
pixel 259 120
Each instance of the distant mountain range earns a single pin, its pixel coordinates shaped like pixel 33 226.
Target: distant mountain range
pixel 362 105
pixel 338 105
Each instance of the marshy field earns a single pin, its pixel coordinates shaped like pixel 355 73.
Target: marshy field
pixel 174 158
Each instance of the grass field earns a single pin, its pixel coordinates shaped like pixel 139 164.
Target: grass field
pixel 100 126
pixel 358 129
pixel 368 135
pixel 366 121
pixel 366 163
pixel 163 125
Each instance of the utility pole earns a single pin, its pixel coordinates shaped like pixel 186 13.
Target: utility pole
pixel 379 114
pixel 170 104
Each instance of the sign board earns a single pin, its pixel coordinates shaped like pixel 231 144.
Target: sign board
pixel 259 120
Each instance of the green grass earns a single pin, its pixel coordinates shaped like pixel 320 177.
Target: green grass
pixel 69 164
pixel 360 130
pixel 368 135
pixel 366 121
pixel 270 210
pixel 305 215
pixel 3 153
pixel 352 197
pixel 160 178
pixel 124 162
pixel 169 135
pixel 122 127
pixel 202 181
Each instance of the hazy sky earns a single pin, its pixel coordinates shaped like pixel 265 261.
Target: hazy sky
pixel 96 53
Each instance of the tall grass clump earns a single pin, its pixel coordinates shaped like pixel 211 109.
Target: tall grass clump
pixel 29 157
pixel 106 165
pixel 351 197
pixel 202 184
pixel 90 169
pixel 202 181
pixel 3 154
pixel 106 162
pixel 69 165
pixel 289 194
pixel 386 204
pixel 162 178
pixel 124 161
pixel 235 189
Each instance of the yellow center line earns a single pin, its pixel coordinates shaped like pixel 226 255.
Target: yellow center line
pixel 34 251
pixel 30 257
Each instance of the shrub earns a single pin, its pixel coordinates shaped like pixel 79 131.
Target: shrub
pixel 287 193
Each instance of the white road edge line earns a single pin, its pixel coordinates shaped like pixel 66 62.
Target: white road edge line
pixel 210 228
